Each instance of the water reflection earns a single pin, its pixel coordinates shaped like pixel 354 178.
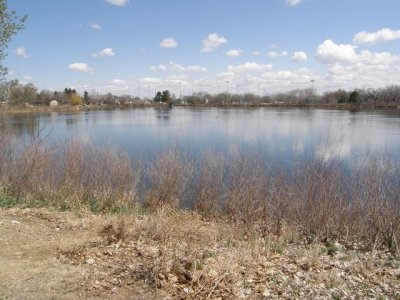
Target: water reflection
pixel 280 133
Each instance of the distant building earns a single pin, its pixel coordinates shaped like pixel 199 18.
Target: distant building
pixel 54 103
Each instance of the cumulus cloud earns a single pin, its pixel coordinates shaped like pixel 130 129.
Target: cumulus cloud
pixel 234 53
pixel 382 35
pixel 119 82
pixel 328 52
pixel 177 68
pixel 289 78
pixel 226 75
pixel 80 67
pixel 249 67
pixel 107 52
pixel 168 43
pixel 150 80
pixel 96 26
pixel 177 77
pixel 348 68
pixel 212 42
pixel 274 54
pixel 118 2
pixel 293 2
pixel 196 69
pixel 299 56
pixel 116 85
pixel 371 58
pixel 21 52
pixel 159 68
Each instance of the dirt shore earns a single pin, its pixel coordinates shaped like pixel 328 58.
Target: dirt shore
pixel 46 254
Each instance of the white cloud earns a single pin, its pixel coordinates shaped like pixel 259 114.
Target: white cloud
pixel 159 68
pixel 107 52
pixel 96 26
pixel 177 68
pixel 349 68
pixel 28 78
pixel 212 42
pixel 256 53
pixel 119 82
pixel 150 80
pixel 196 69
pixel 299 56
pixel 21 52
pixel 382 35
pixel 293 2
pixel 116 85
pixel 288 79
pixel 328 52
pixel 80 67
pixel 168 43
pixel 118 2
pixel 177 77
pixel 249 67
pixel 226 75
pixel 234 53
pixel 383 58
pixel 274 54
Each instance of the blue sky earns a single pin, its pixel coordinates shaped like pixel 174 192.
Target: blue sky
pixel 259 46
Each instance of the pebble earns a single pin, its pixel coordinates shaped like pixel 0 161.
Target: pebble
pixel 90 261
pixel 15 222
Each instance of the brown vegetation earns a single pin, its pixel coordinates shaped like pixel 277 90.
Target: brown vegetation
pixel 315 199
pixel 173 254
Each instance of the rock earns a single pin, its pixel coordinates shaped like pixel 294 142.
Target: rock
pixel 90 261
pixel 15 222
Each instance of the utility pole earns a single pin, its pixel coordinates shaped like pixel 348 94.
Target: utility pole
pixel 312 90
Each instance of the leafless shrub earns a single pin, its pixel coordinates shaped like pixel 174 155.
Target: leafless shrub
pixel 378 193
pixel 316 199
pixel 245 192
pixel 210 185
pixel 98 176
pixel 167 179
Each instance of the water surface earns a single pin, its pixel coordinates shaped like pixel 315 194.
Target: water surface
pixel 279 133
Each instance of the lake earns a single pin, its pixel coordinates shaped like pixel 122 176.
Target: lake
pixel 281 134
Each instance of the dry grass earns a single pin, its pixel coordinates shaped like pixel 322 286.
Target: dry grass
pixel 172 254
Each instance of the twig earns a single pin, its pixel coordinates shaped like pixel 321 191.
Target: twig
pixel 215 286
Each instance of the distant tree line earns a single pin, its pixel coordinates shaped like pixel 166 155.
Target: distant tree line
pixel 386 95
pixel 16 93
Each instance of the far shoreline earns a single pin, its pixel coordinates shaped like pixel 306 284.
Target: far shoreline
pixel 107 107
